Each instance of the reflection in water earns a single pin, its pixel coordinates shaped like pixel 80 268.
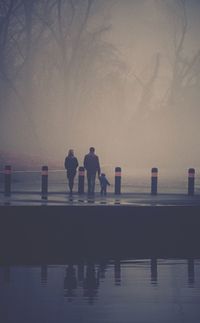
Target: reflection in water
pixel 44 202
pixel 70 199
pixel 44 275
pixel 91 200
pixel 103 202
pixel 81 200
pixel 81 273
pixel 117 270
pixel 93 282
pixel 70 282
pixel 102 269
pixel 190 272
pixel 154 271
pixel 117 201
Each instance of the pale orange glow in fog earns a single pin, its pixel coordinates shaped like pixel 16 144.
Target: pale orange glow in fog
pixel 119 100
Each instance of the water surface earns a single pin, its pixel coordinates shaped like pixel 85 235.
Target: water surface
pixel 114 291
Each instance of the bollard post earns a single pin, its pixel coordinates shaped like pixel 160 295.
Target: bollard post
pixel 117 180
pixel 154 180
pixel 44 182
pixel 191 180
pixel 81 179
pixel 7 180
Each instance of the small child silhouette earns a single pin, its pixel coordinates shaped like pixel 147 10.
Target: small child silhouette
pixel 104 183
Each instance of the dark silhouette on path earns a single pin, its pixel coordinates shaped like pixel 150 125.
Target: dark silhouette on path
pixel 104 183
pixel 92 166
pixel 71 164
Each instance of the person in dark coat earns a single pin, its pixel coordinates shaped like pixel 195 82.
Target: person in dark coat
pixel 92 166
pixel 104 183
pixel 71 164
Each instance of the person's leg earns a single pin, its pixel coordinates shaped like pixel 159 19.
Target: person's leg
pixel 89 182
pixel 93 176
pixel 71 182
pixel 68 179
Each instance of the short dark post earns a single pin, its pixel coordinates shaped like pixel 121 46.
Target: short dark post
pixel 117 180
pixel 191 180
pixel 7 180
pixel 81 179
pixel 44 182
pixel 154 180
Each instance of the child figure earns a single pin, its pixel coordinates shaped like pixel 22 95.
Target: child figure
pixel 104 183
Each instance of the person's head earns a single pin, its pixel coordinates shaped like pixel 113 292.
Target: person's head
pixel 103 175
pixel 92 150
pixel 71 152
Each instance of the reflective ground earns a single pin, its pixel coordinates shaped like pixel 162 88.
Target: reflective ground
pixel 137 290
pixel 107 290
pixel 26 190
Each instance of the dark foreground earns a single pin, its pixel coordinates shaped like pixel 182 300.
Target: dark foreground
pixel 99 264
pixel 56 234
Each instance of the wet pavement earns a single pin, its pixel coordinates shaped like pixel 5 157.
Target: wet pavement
pixel 128 199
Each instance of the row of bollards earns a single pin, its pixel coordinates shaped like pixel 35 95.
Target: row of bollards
pixel 154 181
pixel 81 181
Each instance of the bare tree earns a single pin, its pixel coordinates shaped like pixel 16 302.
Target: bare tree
pixel 47 40
pixel 148 88
pixel 7 10
pixel 185 67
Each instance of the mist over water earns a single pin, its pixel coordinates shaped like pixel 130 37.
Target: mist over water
pixel 122 76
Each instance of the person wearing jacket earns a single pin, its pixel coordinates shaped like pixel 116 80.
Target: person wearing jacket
pixel 92 166
pixel 71 164
pixel 104 183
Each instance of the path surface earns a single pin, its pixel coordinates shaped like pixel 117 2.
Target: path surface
pixel 129 199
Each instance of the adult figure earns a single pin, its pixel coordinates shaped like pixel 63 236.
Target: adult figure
pixel 92 166
pixel 71 164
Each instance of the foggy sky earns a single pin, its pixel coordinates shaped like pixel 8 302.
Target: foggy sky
pixel 118 98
